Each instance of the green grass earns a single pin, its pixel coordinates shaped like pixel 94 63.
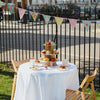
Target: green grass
pixel 96 93
pixel 6 80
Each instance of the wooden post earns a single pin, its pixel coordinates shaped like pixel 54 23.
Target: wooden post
pixel 55 1
pixel 6 9
pixel 15 2
pixel 24 3
pixel 30 2
pixel 6 1
pixel 15 11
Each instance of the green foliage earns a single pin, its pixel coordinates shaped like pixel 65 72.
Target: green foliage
pixel 6 80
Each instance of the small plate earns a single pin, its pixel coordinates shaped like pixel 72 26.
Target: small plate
pixel 46 61
pixel 35 68
pixel 62 69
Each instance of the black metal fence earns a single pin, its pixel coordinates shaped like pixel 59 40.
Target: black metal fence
pixel 22 39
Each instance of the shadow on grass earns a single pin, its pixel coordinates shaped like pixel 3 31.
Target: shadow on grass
pixel 5 97
pixel 11 74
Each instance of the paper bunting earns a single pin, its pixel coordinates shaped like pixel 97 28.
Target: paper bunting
pixel 86 24
pixel 34 15
pixel 59 20
pixel 46 18
pixel 2 3
pixel 77 12
pixel 21 12
pixel 10 8
pixel 98 22
pixel 73 12
pixel 73 23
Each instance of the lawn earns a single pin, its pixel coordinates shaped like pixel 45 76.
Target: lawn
pixel 6 80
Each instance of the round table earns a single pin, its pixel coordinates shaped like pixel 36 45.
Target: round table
pixel 45 84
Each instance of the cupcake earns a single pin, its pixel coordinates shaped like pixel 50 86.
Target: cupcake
pixel 46 59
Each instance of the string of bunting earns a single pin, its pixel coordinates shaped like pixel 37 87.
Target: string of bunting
pixel 58 20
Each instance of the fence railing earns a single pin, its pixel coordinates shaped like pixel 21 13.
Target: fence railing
pixel 22 39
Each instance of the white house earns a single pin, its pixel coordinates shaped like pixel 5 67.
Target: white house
pixel 53 2
pixel 40 2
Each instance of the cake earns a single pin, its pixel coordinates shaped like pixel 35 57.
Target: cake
pixel 38 61
pixel 49 54
pixel 63 67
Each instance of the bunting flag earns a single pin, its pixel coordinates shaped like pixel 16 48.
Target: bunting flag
pixel 2 3
pixel 86 24
pixel 77 12
pixel 59 20
pixel 10 8
pixel 73 12
pixel 73 23
pixel 34 15
pixel 21 12
pixel 46 18
pixel 98 22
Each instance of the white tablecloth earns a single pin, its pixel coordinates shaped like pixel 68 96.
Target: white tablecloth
pixel 45 84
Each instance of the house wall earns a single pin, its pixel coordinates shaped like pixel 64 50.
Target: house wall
pixel 25 3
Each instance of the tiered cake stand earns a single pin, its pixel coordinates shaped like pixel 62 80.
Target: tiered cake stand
pixel 49 56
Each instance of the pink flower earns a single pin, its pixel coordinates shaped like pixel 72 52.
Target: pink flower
pixel 10 7
pixel 76 12
pixel 87 25
pixel 47 18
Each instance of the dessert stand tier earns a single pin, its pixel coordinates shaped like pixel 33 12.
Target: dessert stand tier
pixel 48 63
pixel 49 44
pixel 49 54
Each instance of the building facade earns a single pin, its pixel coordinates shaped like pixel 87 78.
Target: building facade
pixel 25 3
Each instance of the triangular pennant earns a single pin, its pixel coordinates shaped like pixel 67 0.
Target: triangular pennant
pixel 34 15
pixel 77 12
pixel 21 12
pixel 46 18
pixel 98 22
pixel 73 12
pixel 2 3
pixel 86 24
pixel 73 23
pixel 10 8
pixel 59 20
